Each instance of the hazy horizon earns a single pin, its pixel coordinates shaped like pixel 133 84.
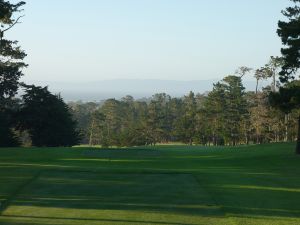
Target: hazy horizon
pixel 96 91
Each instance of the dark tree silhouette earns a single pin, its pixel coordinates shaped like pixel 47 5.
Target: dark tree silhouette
pixel 47 118
pixel 289 32
pixel 11 64
pixel 288 97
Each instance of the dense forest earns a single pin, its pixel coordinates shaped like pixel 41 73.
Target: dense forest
pixel 227 115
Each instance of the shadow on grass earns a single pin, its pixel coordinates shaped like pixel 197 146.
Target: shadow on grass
pixel 257 194
pixel 244 186
pixel 89 220
pixel 167 193
pixel 157 193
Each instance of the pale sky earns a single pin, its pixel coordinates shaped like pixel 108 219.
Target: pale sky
pixel 91 40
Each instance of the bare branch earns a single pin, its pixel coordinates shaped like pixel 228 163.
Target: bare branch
pixel 11 26
pixel 243 70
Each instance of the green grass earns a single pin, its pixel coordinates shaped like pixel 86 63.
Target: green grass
pixel 160 185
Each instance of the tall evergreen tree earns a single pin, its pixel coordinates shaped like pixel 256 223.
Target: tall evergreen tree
pixel 214 109
pixel 11 65
pixel 47 118
pixel 287 99
pixel 176 111
pixel 112 110
pixel 289 32
pixel 236 107
pixel 159 118
pixel 188 118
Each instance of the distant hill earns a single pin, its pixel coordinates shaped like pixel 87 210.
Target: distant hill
pixel 100 90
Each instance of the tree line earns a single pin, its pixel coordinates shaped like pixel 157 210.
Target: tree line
pixel 227 115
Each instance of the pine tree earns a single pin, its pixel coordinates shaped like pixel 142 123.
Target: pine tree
pixel 11 65
pixel 214 109
pixel 288 96
pixel 47 118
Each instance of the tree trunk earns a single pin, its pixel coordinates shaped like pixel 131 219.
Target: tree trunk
pixel 191 142
pixel 298 138
pixel 246 134
pixel 256 90
pixel 233 139
pixel 286 127
pixel 274 82
pixel 91 134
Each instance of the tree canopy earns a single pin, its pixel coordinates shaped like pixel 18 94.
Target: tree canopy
pixel 227 115
pixel 47 118
pixel 289 32
pixel 288 96
pixel 11 65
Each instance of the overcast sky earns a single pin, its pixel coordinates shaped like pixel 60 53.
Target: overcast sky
pixel 89 40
